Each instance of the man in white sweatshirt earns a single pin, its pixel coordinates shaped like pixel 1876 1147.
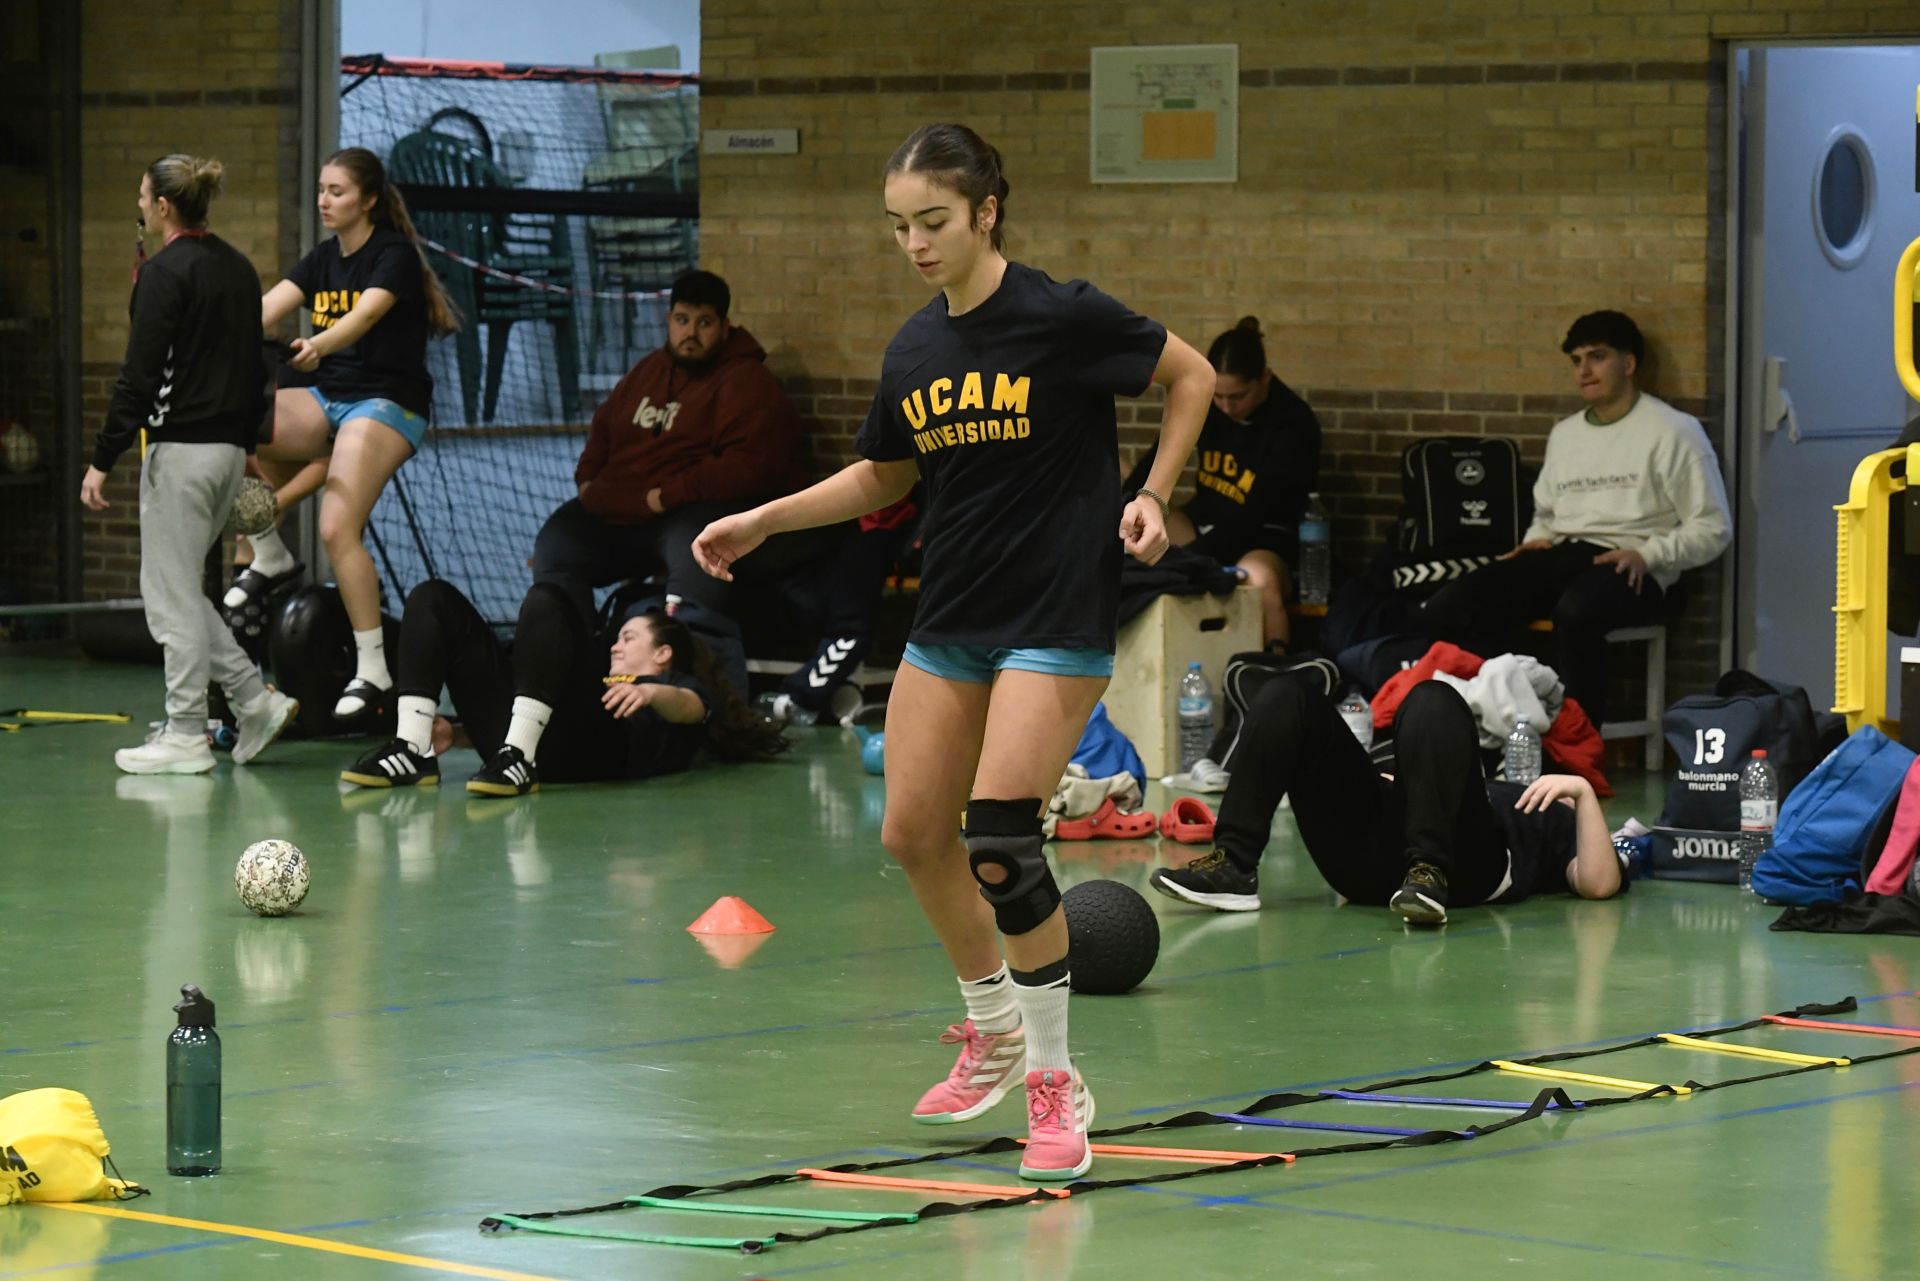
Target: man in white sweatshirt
pixel 1629 498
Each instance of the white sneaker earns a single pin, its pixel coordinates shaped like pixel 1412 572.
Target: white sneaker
pixel 263 722
pixel 1208 777
pixel 167 753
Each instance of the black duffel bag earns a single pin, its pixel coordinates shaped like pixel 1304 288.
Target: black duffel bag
pixel 1712 736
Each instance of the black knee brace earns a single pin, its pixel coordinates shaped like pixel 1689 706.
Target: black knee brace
pixel 1006 835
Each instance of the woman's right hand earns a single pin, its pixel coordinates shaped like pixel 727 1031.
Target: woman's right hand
pixel 726 540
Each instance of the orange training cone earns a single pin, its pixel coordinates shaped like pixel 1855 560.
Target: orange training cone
pixel 730 915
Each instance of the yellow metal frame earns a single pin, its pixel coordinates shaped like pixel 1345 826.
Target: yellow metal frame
pixel 1860 588
pixel 1905 277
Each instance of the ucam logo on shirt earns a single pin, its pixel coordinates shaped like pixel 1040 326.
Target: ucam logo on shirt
pixel 1222 473
pixel 329 305
pixel 944 398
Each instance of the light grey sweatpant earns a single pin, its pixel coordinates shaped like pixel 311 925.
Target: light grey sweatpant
pixel 185 493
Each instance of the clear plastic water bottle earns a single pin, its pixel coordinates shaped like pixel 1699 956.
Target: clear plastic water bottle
pixel 193 1087
pixel 1316 553
pixel 1358 716
pixel 1522 752
pixel 1759 807
pixel 1196 716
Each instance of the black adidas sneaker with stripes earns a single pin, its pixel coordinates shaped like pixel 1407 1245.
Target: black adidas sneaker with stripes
pixel 393 764
pixel 506 773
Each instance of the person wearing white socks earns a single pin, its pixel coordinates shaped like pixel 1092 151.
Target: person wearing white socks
pixel 373 301
pixel 999 394
pixel 553 707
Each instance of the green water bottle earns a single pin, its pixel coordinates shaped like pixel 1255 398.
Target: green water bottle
pixel 193 1087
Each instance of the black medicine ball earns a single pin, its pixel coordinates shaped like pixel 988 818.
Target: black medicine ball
pixel 1113 937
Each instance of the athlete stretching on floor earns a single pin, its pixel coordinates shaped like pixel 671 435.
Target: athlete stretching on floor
pixel 1432 833
pixel 645 709
pixel 999 393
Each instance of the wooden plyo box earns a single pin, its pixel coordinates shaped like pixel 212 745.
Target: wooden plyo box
pixel 1153 652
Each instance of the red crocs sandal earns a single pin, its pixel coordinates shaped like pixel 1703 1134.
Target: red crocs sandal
pixel 1107 823
pixel 1189 822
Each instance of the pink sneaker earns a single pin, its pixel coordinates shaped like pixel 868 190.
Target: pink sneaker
pixel 1059 1110
pixel 989 1065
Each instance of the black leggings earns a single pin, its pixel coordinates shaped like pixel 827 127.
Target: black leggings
pixel 1487 611
pixel 1362 830
pixel 444 641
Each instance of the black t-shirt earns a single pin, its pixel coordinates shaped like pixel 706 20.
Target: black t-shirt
pixel 1253 477
pixel 1008 410
pixel 1541 846
pixel 390 360
pixel 596 747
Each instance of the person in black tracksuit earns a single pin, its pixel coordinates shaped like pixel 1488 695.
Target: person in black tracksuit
pixel 192 382
pixel 1259 458
pixel 1433 832
pixel 565 705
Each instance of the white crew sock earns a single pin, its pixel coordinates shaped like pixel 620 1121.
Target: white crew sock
pixel 415 727
pixel 990 1002
pixel 371 665
pixel 530 717
pixel 1043 1013
pixel 270 555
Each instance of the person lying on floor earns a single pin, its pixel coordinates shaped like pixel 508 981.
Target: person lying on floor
pixel 1434 833
pixel 646 709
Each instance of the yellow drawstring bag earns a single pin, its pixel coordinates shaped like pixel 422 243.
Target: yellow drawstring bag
pixel 53 1149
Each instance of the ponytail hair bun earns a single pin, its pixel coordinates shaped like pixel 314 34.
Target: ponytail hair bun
pixel 188 183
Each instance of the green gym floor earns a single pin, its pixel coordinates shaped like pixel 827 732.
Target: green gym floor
pixel 488 1007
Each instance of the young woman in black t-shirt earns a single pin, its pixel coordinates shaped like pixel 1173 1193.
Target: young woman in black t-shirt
pixel 374 302
pixel 1434 832
pixel 999 394
pixel 565 704
pixel 1259 458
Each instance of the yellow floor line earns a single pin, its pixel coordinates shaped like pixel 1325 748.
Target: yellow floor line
pixel 289 1238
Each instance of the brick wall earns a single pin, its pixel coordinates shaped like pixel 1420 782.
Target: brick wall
pixel 1426 199
pixel 208 77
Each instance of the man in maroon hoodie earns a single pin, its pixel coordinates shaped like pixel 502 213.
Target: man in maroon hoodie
pixel 695 431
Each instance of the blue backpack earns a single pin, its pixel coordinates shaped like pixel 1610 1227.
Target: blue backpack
pixel 1827 821
pixel 1104 751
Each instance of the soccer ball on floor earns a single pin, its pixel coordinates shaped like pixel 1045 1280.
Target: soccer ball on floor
pixel 272 877
pixel 254 507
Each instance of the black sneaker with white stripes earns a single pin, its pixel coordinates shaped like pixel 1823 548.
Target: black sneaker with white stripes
pixel 508 773
pixel 393 764
pixel 1422 900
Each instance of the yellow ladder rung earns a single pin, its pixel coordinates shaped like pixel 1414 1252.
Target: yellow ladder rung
pixel 1752 1051
pixel 1586 1078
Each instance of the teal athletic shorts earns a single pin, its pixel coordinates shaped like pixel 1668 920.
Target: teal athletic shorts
pixel 404 421
pixel 976 664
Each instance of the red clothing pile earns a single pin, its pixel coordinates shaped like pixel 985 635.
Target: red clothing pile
pixel 1571 741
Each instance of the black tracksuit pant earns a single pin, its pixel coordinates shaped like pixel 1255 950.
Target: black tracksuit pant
pixel 1487 611
pixel 1362 830
pixel 555 658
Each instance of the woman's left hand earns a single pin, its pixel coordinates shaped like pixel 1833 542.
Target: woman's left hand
pixel 1143 530
pixel 303 355
pixel 624 700
pixel 1548 788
